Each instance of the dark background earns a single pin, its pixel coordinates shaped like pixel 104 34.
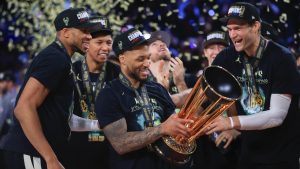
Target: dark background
pixel 26 26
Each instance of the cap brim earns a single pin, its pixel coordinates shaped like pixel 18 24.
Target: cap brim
pixel 101 32
pixel 145 41
pixel 215 41
pixel 89 25
pixel 226 18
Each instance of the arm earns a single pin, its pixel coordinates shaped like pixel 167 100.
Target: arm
pixel 177 68
pixel 180 98
pixel 78 124
pixel 279 106
pixel 124 142
pixel 31 98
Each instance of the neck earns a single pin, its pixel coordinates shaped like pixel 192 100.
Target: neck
pixel 69 49
pixel 134 83
pixel 251 51
pixel 94 67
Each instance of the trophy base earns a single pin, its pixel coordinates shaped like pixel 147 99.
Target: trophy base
pixel 177 153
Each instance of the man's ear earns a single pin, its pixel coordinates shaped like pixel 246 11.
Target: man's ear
pixel 66 32
pixel 257 26
pixel 122 59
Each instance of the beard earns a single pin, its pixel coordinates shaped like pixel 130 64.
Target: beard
pixel 135 76
pixel 79 50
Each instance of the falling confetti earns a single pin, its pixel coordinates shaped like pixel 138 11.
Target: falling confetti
pixel 27 26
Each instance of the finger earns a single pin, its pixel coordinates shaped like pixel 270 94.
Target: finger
pixel 173 61
pixel 209 130
pixel 185 132
pixel 179 60
pixel 184 121
pixel 172 69
pixel 227 143
pixel 172 65
pixel 218 141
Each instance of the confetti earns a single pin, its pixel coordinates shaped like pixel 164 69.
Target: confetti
pixel 27 25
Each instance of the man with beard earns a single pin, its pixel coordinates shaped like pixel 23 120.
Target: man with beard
pixel 40 130
pixel 135 112
pixel 267 112
pixel 88 146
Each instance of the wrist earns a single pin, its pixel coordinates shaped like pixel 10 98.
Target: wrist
pixel 50 159
pixel 160 130
pixel 181 86
pixel 231 122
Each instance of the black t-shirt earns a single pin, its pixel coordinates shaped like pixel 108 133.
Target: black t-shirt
pixel 51 67
pixel 112 72
pixel 276 74
pixel 85 153
pixel 116 101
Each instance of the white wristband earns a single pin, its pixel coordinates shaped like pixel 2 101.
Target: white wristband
pixel 231 122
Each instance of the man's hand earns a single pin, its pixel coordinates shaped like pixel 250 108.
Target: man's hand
pixel 174 126
pixel 227 136
pixel 178 71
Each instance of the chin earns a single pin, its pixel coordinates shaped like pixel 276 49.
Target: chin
pixel 238 49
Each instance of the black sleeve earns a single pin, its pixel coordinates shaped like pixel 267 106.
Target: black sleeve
pixel 108 108
pixel 285 76
pixel 220 59
pixel 50 69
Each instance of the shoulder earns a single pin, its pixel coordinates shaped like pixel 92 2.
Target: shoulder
pixel 279 56
pixel 226 56
pixel 112 67
pixel 52 55
pixel 77 66
pixel 52 50
pixel 113 86
pixel 276 50
pixel 153 85
pixel 156 88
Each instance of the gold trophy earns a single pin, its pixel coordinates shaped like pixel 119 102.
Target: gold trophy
pixel 215 91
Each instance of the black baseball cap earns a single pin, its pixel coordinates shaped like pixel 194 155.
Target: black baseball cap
pixel 216 37
pixel 73 18
pixel 243 11
pixel 102 27
pixel 128 40
pixel 160 35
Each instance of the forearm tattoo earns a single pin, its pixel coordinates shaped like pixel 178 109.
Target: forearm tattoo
pixel 124 141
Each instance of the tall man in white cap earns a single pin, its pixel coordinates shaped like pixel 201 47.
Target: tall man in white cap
pixel 40 132
pixel 268 113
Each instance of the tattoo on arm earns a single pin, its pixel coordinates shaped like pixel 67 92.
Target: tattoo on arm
pixel 124 141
